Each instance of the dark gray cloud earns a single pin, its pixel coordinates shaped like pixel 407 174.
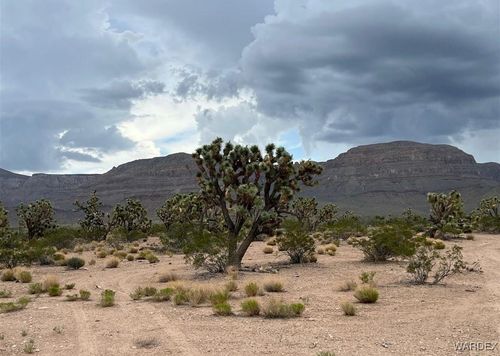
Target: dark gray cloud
pixel 379 70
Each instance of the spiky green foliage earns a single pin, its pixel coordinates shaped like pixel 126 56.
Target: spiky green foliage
pixel 386 241
pixel 487 216
pixel 36 217
pixel 343 227
pixel 296 242
pixel 4 218
pixel 306 211
pixel 446 214
pixel 75 262
pixel 95 224
pixel 131 217
pixel 249 188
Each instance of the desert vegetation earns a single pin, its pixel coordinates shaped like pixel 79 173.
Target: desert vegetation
pixel 248 201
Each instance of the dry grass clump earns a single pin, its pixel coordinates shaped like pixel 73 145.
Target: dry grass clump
pixel 469 237
pixel 8 276
pixel 133 250
pixel 274 286
pixel 330 249
pixel 36 288
pixel 69 286
pixel 252 289
pixel 348 308
pixel 222 309
pixel 276 308
pixel 320 251
pixel 348 286
pixel 368 278
pixel 23 276
pixel 29 347
pixel 112 263
pixel 50 281
pixel 271 242
pixel 439 245
pixel 232 273
pixel 4 293
pixel 167 277
pixel 152 258
pixel 268 250
pixel 250 307
pixel 130 258
pixel 366 294
pixel 198 295
pixel 231 286
pixel 101 254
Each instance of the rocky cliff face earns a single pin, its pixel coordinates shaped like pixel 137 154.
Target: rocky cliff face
pixel 372 179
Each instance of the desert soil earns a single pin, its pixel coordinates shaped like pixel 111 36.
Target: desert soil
pixel 407 319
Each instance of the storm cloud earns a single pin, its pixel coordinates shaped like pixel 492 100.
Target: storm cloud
pixel 79 80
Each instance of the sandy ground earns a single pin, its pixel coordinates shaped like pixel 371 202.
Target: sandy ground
pixel 407 319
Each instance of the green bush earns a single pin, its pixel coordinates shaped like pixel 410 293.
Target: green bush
pixel 24 276
pixel 8 307
pixel 252 289
pixel 163 295
pixel 75 262
pixel 367 277
pixel 107 298
pixel 84 294
pixel 72 297
pixel 222 309
pixel 219 297
pixel 250 307
pixel 36 217
pixel 181 297
pixel 36 288
pixel 4 293
pixel 54 291
pixel 366 294
pixel 296 242
pixel 8 276
pixel 386 241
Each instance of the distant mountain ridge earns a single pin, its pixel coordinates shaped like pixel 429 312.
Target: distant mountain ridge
pixel 373 179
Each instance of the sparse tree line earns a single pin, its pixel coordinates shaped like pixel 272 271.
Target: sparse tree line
pixel 247 195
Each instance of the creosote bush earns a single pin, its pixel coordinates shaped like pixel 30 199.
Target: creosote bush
pixel 107 298
pixel 366 294
pixel 348 308
pixel 250 307
pixel 296 242
pixel 75 263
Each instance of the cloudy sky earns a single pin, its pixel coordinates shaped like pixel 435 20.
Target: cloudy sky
pixel 86 85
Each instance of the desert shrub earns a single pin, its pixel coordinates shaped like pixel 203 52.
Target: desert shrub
pixel 4 293
pixel 84 294
pixel 274 286
pixel 366 294
pixel 133 250
pixel 219 297
pixel 330 249
pixel 427 258
pixel 439 245
pixel 137 294
pixel 386 241
pixel 29 347
pixel 344 227
pixel 69 286
pixel 167 277
pixel 320 251
pixel 58 257
pixel 231 286
pixel 296 242
pixel 8 276
pixel 181 297
pixel 72 297
pixel 92 262
pixel 24 276
pixel 54 291
pixel 14 249
pixel 325 353
pixel 198 295
pixel 75 262
pixel 36 217
pixel 271 242
pixel 348 286
pixel 107 298
pixel 348 308
pixel 101 254
pixel 276 308
pixel 222 309
pixel 112 263
pixel 50 281
pixel 268 250
pixel 367 277
pixel 78 249
pixel 486 217
pixel 149 291
pixel 252 289
pixel 120 255
pixel 152 258
pixel 8 307
pixel 163 295
pixel 306 211
pixel 130 258
pixel 250 307
pixel 36 288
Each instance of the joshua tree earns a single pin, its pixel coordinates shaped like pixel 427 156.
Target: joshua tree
pixel 252 190
pixel 37 217
pixel 4 220
pixel 95 223
pixel 487 216
pixel 307 212
pixel 446 211
pixel 131 217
